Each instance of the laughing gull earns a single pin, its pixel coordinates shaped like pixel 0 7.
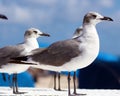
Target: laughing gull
pixel 22 49
pixel 72 54
pixel 77 33
pixel 3 16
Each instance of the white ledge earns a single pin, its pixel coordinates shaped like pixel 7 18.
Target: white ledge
pixel 6 91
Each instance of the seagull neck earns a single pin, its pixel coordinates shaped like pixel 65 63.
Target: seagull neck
pixel 89 28
pixel 32 42
pixel 89 33
pixel 88 24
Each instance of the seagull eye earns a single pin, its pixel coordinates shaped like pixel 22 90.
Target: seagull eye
pixel 35 32
pixel 94 16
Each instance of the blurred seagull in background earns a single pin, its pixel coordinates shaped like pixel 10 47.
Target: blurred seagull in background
pixel 72 54
pixel 22 49
pixel 3 16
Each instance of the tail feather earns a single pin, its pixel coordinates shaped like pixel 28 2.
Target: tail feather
pixel 21 60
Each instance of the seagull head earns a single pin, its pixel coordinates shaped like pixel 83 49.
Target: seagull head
pixel 34 33
pixel 77 33
pixel 94 18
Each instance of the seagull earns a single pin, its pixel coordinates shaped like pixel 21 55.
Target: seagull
pixel 71 54
pixel 22 49
pixel 3 16
pixel 77 33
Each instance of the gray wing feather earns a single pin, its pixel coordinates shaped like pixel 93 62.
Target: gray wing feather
pixel 58 53
pixel 38 50
pixel 9 52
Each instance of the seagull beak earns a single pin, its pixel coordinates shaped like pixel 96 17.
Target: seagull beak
pixel 45 34
pixel 3 16
pixel 107 18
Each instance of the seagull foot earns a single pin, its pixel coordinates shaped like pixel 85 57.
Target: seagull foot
pixel 19 92
pixel 59 90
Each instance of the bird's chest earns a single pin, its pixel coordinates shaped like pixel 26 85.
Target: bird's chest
pixel 89 47
pixel 29 46
pixel 89 50
pixel 28 49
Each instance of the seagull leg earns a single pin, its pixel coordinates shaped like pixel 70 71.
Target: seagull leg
pixel 74 81
pixel 13 83
pixel 16 85
pixel 10 85
pixel 59 87
pixel 55 81
pixel 4 77
pixel 69 94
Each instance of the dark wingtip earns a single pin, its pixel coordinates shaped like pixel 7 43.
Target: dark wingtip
pixel 21 62
pixel 24 58
pixel 3 17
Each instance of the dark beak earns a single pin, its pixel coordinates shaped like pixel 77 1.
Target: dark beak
pixel 3 16
pixel 45 34
pixel 107 18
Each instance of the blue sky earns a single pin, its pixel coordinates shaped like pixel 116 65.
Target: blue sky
pixel 59 18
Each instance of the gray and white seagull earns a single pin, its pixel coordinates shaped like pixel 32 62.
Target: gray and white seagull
pixel 72 54
pixel 22 49
pixel 57 75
